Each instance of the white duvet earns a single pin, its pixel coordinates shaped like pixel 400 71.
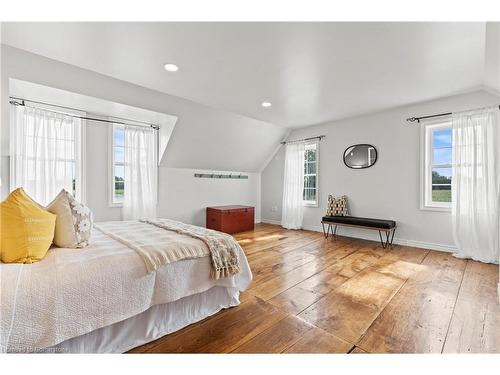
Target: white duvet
pixel 75 291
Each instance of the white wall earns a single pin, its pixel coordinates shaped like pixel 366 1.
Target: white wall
pixel 492 58
pixel 203 192
pixel 181 196
pixel 97 172
pixel 389 189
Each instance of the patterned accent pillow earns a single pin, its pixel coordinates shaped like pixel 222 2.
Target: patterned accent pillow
pixel 337 206
pixel 73 223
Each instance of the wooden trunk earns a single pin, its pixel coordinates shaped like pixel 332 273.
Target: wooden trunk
pixel 231 219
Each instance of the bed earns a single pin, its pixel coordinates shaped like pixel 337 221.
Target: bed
pixel 103 299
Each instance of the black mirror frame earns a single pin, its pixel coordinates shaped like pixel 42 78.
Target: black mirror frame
pixel 360 144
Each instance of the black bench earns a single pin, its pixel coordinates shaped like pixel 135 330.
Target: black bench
pixel 387 226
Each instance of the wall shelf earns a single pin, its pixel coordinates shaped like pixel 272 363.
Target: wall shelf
pixel 221 176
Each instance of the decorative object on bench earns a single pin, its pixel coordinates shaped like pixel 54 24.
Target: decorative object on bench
pixel 337 206
pixel 387 226
pixel 231 219
pixel 360 156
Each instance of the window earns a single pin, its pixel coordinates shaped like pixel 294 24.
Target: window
pixel 137 170
pixel 118 165
pixel 436 181
pixel 47 149
pixel 310 195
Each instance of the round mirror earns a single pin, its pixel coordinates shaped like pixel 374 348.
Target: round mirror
pixel 360 156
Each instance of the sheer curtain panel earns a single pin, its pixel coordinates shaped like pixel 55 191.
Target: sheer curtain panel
pixel 140 187
pixel 293 186
pixel 46 153
pixel 476 184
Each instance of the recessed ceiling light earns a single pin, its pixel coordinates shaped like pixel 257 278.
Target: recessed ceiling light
pixel 266 104
pixel 171 67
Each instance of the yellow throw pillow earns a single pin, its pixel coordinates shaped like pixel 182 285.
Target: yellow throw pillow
pixel 26 229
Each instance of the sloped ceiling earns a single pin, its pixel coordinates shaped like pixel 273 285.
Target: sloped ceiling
pixel 492 60
pixel 203 137
pixel 311 72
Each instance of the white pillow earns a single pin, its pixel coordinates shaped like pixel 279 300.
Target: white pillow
pixel 73 221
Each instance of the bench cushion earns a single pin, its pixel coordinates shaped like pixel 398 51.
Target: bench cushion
pixel 361 221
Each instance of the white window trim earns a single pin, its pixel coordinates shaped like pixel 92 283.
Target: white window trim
pixel 426 164
pixel 111 166
pixel 315 203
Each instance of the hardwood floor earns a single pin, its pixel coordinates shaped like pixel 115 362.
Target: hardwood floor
pixel 312 295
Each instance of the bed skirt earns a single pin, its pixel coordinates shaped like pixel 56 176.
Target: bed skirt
pixel 157 321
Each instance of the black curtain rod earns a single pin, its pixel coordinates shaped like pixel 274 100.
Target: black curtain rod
pixel 417 119
pixel 304 139
pixel 15 101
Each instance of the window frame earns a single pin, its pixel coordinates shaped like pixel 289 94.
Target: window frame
pixel 316 202
pixel 111 167
pixel 426 164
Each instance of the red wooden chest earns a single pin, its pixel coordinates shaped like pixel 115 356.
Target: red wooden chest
pixel 231 219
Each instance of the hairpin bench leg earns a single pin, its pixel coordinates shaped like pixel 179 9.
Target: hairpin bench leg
pixel 392 239
pixel 325 233
pixel 385 242
pixel 334 233
pixel 389 237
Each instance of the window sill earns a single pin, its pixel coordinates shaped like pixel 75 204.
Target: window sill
pixel 435 208
pixel 311 204
pixel 115 205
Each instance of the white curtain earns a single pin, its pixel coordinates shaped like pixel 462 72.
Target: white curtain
pixel 46 153
pixel 140 187
pixel 476 184
pixel 293 186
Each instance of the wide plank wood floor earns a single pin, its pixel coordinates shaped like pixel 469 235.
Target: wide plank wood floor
pixel 316 295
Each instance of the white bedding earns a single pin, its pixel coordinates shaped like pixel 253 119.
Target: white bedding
pixel 155 322
pixel 76 291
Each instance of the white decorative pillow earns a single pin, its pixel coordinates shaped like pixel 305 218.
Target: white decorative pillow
pixel 73 221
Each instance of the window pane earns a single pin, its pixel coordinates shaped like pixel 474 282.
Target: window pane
pixel 441 193
pixel 119 137
pixel 119 154
pixel 441 138
pixel 310 182
pixel 120 172
pixel 310 155
pixel 310 194
pixel 119 188
pixel 441 156
pixel 119 181
pixel 310 168
pixel 441 176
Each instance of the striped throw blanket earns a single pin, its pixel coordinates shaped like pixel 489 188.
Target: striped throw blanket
pixel 163 241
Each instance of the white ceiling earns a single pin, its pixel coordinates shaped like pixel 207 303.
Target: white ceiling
pixel 311 72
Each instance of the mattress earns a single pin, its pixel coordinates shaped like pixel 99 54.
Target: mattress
pixel 76 291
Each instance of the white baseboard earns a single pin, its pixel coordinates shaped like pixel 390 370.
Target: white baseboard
pixel 373 236
pixel 268 221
